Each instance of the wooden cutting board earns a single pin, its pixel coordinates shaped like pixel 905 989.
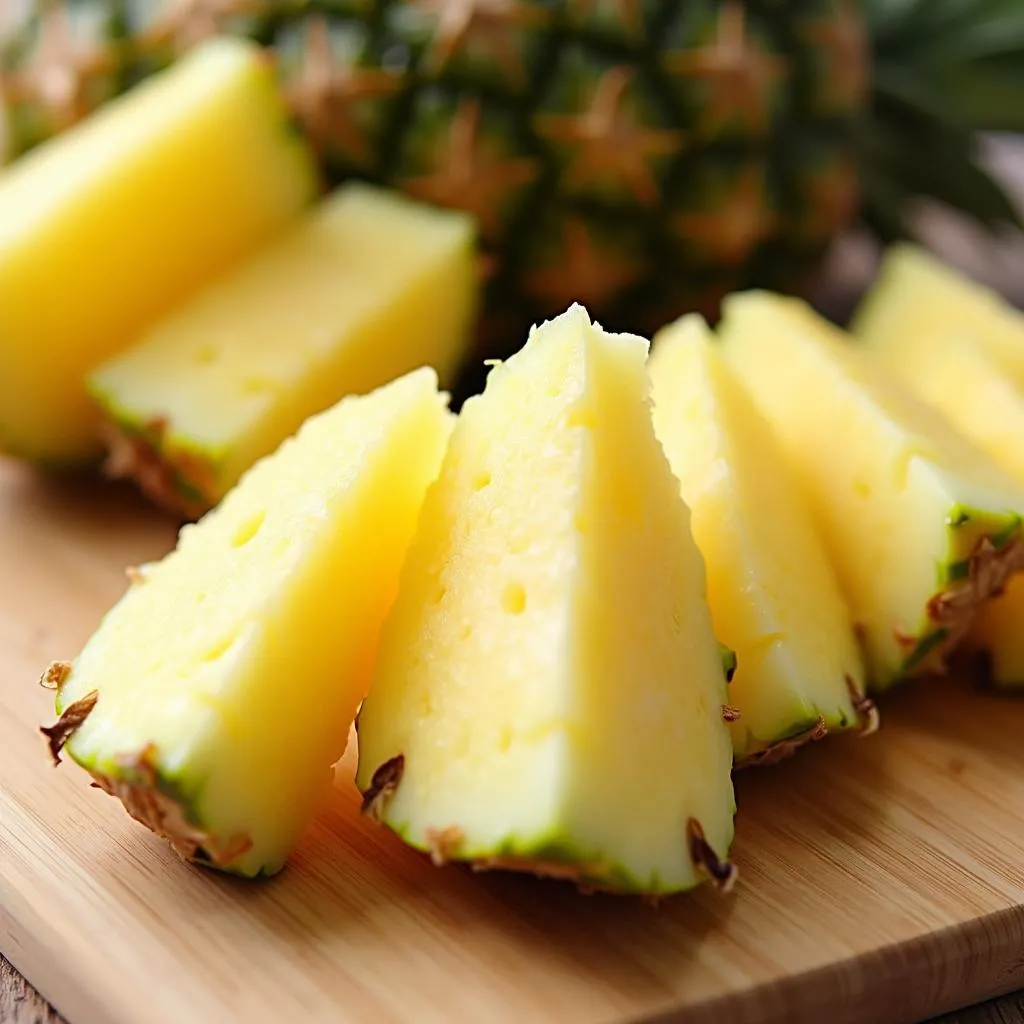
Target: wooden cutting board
pixel 881 880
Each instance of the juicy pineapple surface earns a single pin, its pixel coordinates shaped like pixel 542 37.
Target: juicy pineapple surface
pixel 920 524
pixel 917 297
pixel 227 678
pixel 609 151
pixel 774 596
pixel 549 691
pixel 365 287
pixel 106 228
pixel 959 376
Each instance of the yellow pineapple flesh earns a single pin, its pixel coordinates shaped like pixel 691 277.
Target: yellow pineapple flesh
pixel 215 697
pixel 548 695
pixel 774 596
pixel 365 287
pixel 920 524
pixel 109 226
pixel 954 371
pixel 916 295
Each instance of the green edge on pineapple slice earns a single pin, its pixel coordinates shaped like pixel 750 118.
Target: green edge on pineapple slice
pixel 108 227
pixel 549 691
pixel 215 697
pixel 367 286
pixel 958 347
pixel 920 524
pixel 773 593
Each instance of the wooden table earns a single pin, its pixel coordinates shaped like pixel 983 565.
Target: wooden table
pixel 1002 265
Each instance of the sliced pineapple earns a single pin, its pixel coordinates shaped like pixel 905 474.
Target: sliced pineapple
pixel 367 286
pixel 963 381
pixel 215 697
pixel 917 296
pixel 774 596
pixel 549 692
pixel 108 227
pixel 920 524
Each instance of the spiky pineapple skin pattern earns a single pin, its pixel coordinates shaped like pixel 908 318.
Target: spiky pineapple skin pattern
pixel 642 158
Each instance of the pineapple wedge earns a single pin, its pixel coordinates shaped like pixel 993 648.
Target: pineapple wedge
pixel 774 596
pixel 108 227
pixel 549 691
pixel 918 296
pixel 367 286
pixel 920 524
pixel 956 375
pixel 215 697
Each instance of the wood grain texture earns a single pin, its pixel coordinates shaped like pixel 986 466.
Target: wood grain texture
pixel 882 880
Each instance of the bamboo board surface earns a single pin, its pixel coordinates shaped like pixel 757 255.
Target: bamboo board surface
pixel 881 880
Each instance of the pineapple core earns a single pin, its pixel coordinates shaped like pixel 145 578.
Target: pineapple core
pixel 367 286
pixel 774 596
pixel 112 224
pixel 952 364
pixel 548 695
pixel 920 524
pixel 226 680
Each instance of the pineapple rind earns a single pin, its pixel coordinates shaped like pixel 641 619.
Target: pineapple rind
pixel 157 466
pixel 968 527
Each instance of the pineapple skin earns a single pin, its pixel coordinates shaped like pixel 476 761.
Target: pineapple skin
pixel 368 286
pixel 799 673
pixel 502 733
pixel 717 172
pixel 216 696
pixel 878 464
pixel 107 227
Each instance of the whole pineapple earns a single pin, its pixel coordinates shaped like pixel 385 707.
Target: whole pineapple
pixel 641 156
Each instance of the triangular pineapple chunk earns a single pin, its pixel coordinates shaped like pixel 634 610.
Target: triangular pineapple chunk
pixel 920 524
pixel 113 224
pixel 954 373
pixel 216 696
pixel 549 691
pixel 918 296
pixel 367 286
pixel 774 596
